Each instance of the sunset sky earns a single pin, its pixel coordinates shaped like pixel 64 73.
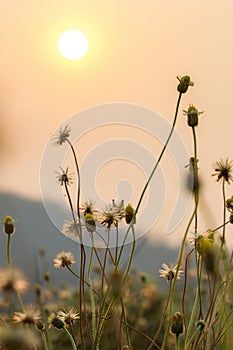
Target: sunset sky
pixel 136 50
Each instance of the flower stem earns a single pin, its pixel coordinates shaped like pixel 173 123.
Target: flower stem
pixel 71 338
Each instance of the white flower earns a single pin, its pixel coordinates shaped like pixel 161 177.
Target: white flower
pixel 30 315
pixel 223 170
pixel 63 259
pixel 61 136
pixel 112 214
pixel 169 272
pixel 68 317
pixel 71 229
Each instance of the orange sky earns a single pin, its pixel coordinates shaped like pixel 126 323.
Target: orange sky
pixel 137 48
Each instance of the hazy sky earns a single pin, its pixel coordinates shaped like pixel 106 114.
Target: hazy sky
pixel 137 48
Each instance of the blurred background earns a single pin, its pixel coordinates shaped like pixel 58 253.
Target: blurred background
pixel 136 50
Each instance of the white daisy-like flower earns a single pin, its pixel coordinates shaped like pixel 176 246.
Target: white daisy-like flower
pixel 71 229
pixel 63 177
pixel 63 259
pixel 196 238
pixel 112 214
pixel 223 170
pixel 169 272
pixel 30 315
pixel 61 135
pixel 68 317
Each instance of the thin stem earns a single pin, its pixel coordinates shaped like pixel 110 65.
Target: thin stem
pixel 224 213
pixel 177 342
pixel 175 279
pixel 162 319
pixel 93 319
pixel 87 284
pixel 70 338
pixel 149 179
pixel 78 175
pixel 44 340
pixel 8 251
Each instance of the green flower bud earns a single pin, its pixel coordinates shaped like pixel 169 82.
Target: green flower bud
pixel 9 227
pixel 229 204
pixel 231 219
pixel 129 213
pixel 90 222
pixel 185 82
pixel 177 323
pixel 200 325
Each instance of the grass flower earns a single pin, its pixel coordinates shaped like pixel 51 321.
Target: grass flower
pixel 8 225
pixel 12 281
pixel 184 83
pixel 71 229
pixel 169 272
pixel 68 317
pixel 54 321
pixel 64 178
pixel 192 113
pixel 61 136
pixel 90 223
pixel 229 204
pixel 31 316
pixel 223 170
pixel 112 214
pixel 63 259
pixel 202 241
pixel 88 207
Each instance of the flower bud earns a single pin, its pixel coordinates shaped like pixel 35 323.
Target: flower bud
pixel 185 82
pixel 200 325
pixel 229 204
pixel 177 323
pixel 40 326
pixel 231 219
pixel 90 222
pixel 129 213
pixel 9 227
pixel 192 114
pixel 55 321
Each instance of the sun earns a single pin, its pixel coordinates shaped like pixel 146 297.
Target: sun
pixel 73 45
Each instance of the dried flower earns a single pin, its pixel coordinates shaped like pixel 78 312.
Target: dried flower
pixel 12 281
pixel 192 114
pixel 68 317
pixel 88 208
pixel 61 135
pixel 30 315
pixel 169 272
pixel 63 178
pixel 184 83
pixel 63 259
pixel 223 170
pixel 112 214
